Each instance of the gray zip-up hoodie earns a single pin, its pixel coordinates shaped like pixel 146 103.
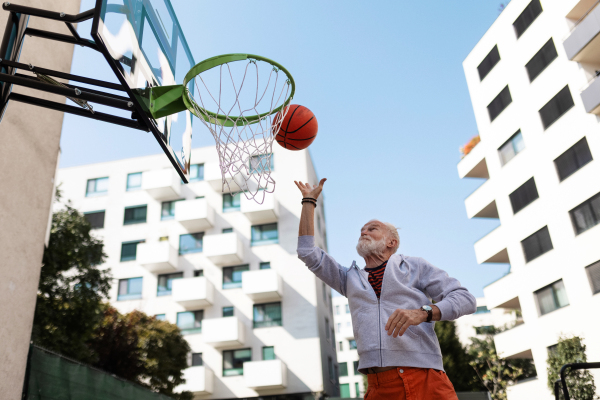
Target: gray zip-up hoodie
pixel 408 283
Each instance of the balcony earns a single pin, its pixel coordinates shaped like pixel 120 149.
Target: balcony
pixel 192 293
pixel 347 332
pixel 514 342
pixel 264 284
pixel 199 380
pixel 256 213
pixel 583 43
pixel 212 175
pixel 195 215
pixel 527 388
pixel 224 248
pixel 270 374
pixel 223 332
pixel 591 97
pixel 157 257
pixel 481 203
pixel 162 184
pixel 473 165
pixel 503 293
pixel 492 248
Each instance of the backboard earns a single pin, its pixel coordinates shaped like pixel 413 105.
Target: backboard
pixel 143 43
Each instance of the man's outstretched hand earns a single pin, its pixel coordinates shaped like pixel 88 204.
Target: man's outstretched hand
pixel 309 190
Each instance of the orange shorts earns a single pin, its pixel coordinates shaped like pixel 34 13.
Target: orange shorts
pixel 409 383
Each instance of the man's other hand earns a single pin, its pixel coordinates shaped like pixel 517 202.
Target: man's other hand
pixel 309 190
pixel 401 319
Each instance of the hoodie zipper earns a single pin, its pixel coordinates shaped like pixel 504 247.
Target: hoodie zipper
pixel 378 314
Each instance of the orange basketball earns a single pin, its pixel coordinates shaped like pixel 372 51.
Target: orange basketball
pixel 298 128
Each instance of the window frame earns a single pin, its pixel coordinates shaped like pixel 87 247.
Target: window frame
pixel 352 347
pixel 103 212
pixel 343 370
pixel 588 271
pixel 541 54
pixel 171 204
pixel 169 282
pixel 272 348
pixel 554 297
pixel 193 250
pixel 548 124
pixel 96 193
pixel 233 204
pixel 240 371
pixel 519 198
pixel 135 221
pixel 233 284
pixel 128 295
pixel 136 242
pixel 267 324
pixel 527 9
pixel 264 265
pixel 499 97
pixel 541 253
pixel 594 214
pixel 133 188
pixel 228 310
pixel 572 153
pixel 195 329
pixel 262 163
pixel 199 167
pixel 486 58
pixel 198 355
pixel 511 142
pixel 261 232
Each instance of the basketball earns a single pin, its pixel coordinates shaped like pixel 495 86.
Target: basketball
pixel 298 128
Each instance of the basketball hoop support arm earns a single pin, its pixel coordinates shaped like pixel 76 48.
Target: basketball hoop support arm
pixel 16 29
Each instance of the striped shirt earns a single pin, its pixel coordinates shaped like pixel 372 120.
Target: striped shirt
pixel 376 277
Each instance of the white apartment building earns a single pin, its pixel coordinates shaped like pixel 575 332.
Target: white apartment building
pixel 532 82
pixel 483 320
pixel 224 269
pixel 351 381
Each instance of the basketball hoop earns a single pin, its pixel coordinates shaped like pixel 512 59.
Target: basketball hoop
pixel 245 92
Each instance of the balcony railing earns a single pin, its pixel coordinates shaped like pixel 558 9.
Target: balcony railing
pixel 157 257
pixel 162 184
pixel 261 285
pixel 199 380
pixel 269 374
pixel 195 215
pixel 223 332
pixel 224 248
pixel 582 44
pixel 192 293
pixel 256 213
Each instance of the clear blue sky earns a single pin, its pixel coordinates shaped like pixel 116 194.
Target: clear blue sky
pixel 386 83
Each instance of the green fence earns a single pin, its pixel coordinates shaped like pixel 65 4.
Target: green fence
pixel 50 376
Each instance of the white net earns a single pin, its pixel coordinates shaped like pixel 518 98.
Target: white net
pixel 238 103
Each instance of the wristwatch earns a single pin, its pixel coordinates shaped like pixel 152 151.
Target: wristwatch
pixel 429 312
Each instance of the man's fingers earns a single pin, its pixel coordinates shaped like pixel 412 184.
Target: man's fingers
pixel 390 321
pixel 322 182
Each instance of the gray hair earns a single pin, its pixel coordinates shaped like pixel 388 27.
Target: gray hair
pixel 393 234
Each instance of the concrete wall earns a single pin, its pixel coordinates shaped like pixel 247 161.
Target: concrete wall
pixel 30 139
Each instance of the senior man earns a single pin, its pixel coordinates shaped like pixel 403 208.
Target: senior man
pixel 391 308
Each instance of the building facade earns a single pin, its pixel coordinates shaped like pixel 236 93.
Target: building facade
pixel 351 381
pixel 484 321
pixel 221 267
pixel 532 82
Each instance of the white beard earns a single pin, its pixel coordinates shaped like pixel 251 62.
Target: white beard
pixel 367 247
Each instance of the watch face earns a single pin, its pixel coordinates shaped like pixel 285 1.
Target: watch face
pixel 426 308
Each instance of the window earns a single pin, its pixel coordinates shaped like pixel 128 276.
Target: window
pixel 552 297
pixel 593 273
pixel 196 360
pixel 196 172
pixel 511 148
pixel 190 321
pixel 265 234
pixel 523 196
pixel 161 317
pixel 96 187
pixel 198 272
pixel 330 368
pixel 343 369
pixel 267 315
pixel 265 265
pixel 499 103
pixel 341 345
pixel 488 63
pixel 129 250
pixel 327 336
pixel 135 215
pixel 324 291
pixel 541 60
pixel 260 163
pixel 355 367
pixel 483 330
pixel 586 215
pixel 337 310
pixel 233 361
pixel 167 210
pixel 231 203
pixel 165 283
pixel 357 391
pixel 228 311
pixel 344 390
pixel 163 239
pixel 347 309
pixel 232 276
pixel 537 244
pixel 130 289
pixel 352 344
pixel 335 374
pixel 573 159
pixel 556 107
pixel 482 310
pixel 227 230
pixel 134 181
pixel 95 218
pixel 529 14
pixel 190 243
pixel 338 327
pixel 268 353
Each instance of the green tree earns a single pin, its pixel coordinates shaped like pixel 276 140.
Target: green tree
pixel 142 349
pixel 456 359
pixel 71 289
pixel 581 382
pixel 497 373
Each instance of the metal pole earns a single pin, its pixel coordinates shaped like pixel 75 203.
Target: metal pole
pixel 58 16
